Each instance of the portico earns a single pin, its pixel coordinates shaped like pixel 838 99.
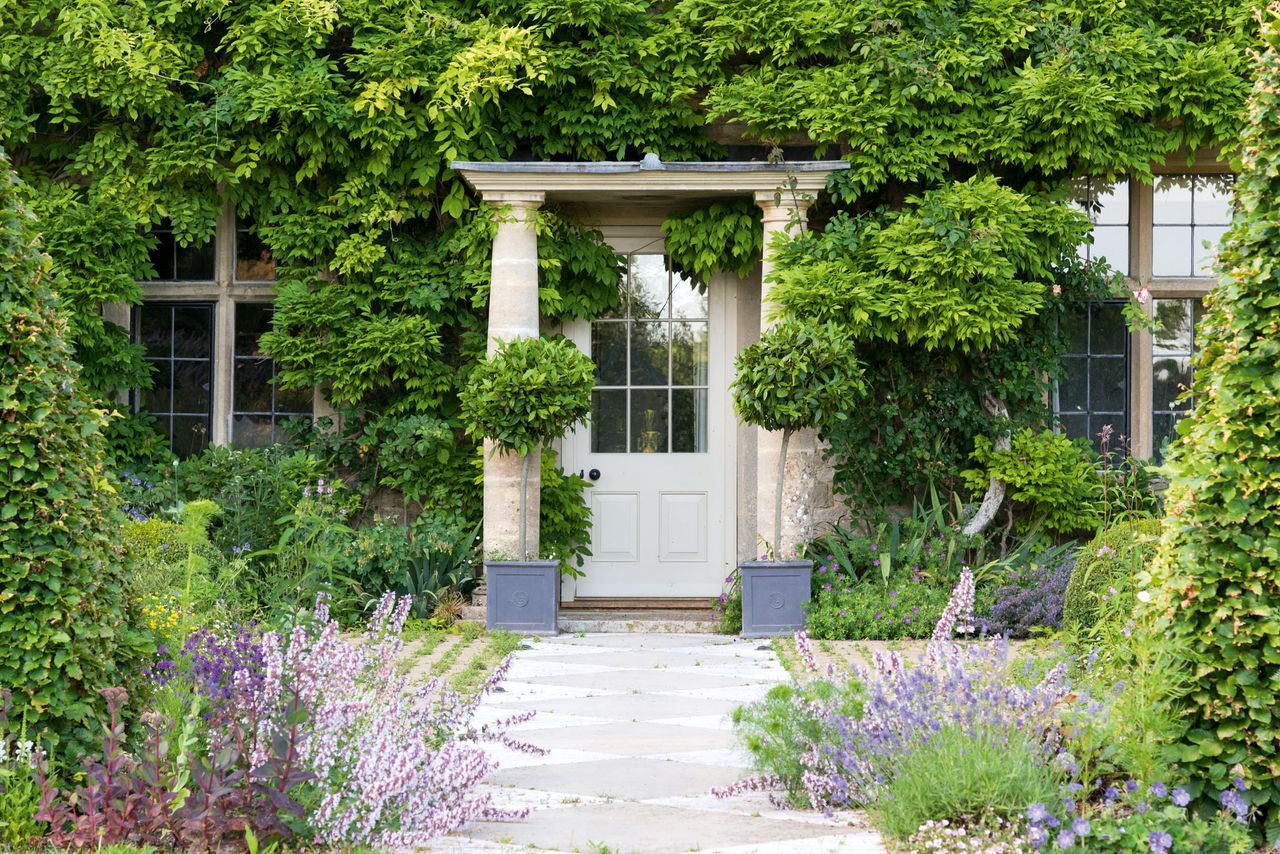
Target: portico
pixel 677 483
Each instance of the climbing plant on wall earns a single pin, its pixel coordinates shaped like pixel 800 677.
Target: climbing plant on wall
pixel 1219 559
pixel 331 126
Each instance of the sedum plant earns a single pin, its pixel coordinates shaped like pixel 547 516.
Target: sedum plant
pixel 525 395
pixel 798 375
pixel 1219 558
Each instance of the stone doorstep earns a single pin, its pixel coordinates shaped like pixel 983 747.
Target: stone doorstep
pixel 612 621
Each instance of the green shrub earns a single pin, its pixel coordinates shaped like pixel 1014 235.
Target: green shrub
pixel 565 531
pixel 1110 560
pixel 782 727
pixel 179 580
pixel 63 608
pixel 1054 478
pixel 871 610
pixel 1218 563
pixel 962 773
pixel 255 487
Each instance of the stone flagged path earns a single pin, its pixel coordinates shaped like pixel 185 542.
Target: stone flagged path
pixel 638 732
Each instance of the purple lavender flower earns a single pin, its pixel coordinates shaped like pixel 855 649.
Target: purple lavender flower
pixel 875 562
pixel 1159 841
pixel 1181 797
pixel 826 586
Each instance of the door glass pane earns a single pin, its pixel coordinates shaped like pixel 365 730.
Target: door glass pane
pixel 649 421
pixel 609 421
pixel 609 352
pixel 648 291
pixel 689 420
pixel 689 353
pixel 687 301
pixel 649 353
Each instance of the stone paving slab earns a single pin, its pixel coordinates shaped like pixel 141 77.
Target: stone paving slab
pixel 623 707
pixel 637 732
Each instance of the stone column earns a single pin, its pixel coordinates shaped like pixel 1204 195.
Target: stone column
pixel 513 313
pixel 783 212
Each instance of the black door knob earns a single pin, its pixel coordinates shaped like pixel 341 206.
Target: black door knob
pixel 594 474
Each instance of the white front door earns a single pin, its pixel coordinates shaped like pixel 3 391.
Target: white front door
pixel 655 446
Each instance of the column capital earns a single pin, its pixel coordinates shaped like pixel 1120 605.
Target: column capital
pixel 525 199
pixel 779 204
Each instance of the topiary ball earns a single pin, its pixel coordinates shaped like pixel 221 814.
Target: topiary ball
pixel 1108 560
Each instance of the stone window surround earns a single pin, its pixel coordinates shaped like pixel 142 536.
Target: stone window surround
pixel 224 291
pixel 1141 237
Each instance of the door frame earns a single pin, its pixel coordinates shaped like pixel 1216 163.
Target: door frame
pixel 723 296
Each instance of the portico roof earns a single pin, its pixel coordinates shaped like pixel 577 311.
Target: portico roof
pixel 586 181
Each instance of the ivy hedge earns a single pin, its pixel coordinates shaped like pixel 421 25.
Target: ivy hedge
pixel 1219 560
pixel 63 611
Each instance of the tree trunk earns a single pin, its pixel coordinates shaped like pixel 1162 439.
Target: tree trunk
pixel 994 407
pixel 777 497
pixel 524 502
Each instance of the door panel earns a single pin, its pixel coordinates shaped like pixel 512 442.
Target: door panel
pixel 656 437
pixel 615 533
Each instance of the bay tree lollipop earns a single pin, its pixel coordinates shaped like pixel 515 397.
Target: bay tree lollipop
pixel 798 375
pixel 525 395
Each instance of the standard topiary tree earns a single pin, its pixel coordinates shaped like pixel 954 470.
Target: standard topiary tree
pixel 528 393
pixel 62 601
pixel 1218 566
pixel 798 375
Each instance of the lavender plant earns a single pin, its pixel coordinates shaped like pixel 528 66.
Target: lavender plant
pixel 954 686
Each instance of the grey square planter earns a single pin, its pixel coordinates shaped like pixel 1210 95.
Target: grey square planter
pixel 774 596
pixel 522 595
